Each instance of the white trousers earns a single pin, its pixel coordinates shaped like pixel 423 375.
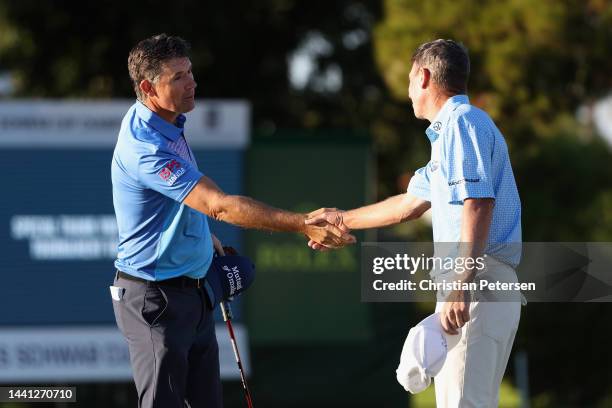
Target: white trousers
pixel 477 357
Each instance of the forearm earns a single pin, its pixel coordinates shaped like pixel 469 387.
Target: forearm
pixel 396 209
pixel 209 199
pixel 475 223
pixel 475 226
pixel 249 213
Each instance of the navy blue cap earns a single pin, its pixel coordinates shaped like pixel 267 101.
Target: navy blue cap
pixel 228 276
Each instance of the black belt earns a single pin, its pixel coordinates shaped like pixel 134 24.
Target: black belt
pixel 178 282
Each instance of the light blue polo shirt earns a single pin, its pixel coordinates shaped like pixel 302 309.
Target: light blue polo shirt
pixel 159 237
pixel 469 159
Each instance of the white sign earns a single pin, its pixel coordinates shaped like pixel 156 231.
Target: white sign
pixel 67 237
pixel 83 354
pixel 94 123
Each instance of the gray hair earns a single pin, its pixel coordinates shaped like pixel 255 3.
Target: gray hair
pixel 146 58
pixel 448 62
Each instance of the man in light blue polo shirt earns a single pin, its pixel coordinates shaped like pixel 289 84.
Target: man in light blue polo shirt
pixel 162 201
pixel 469 186
pixel 152 173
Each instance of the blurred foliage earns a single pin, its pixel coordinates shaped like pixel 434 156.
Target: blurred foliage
pixel 530 60
pixel 533 64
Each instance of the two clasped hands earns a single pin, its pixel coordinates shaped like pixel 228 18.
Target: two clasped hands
pixel 326 230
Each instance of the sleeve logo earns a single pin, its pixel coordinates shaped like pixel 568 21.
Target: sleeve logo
pixel 171 172
pixel 465 180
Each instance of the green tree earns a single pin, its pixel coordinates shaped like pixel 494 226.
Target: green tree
pixel 533 65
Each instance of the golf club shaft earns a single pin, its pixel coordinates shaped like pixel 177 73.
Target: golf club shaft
pixel 226 311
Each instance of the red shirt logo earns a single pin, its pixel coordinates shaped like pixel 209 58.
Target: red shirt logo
pixel 165 173
pixel 168 169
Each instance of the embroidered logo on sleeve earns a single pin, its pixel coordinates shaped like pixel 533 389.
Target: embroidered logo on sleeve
pixel 171 172
pixel 465 180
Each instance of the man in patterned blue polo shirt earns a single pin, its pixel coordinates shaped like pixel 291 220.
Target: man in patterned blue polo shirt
pixel 469 186
pixel 162 201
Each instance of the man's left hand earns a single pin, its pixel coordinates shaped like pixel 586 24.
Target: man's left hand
pixel 455 312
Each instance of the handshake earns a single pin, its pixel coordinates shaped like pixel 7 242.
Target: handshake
pixel 325 230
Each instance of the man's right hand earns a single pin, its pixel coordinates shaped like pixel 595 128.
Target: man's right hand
pixel 328 235
pixel 326 216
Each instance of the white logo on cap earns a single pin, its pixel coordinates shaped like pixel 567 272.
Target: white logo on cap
pixel 235 281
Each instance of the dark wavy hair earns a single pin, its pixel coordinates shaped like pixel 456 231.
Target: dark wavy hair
pixel 449 64
pixel 146 58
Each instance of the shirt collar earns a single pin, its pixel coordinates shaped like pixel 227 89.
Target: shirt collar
pixel 172 132
pixel 433 131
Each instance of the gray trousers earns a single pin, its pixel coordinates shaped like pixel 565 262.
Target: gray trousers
pixel 170 333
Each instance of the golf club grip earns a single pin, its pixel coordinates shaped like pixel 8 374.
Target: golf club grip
pixel 226 311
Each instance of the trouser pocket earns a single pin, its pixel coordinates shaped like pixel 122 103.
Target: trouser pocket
pixel 155 305
pixel 500 320
pixel 118 308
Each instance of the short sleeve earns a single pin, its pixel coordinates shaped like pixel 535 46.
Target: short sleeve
pixel 419 184
pixel 165 172
pixel 466 162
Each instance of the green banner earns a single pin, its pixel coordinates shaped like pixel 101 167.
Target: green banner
pixel 307 324
pixel 301 295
